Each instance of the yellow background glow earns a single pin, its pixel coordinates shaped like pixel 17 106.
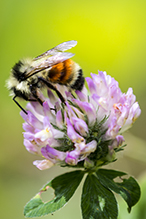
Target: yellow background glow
pixel 111 36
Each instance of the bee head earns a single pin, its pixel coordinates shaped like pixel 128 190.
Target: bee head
pixel 18 71
pixel 17 84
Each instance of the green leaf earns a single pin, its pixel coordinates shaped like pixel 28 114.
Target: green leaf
pixel 64 187
pixel 128 188
pixel 97 201
pixel 111 174
pixel 133 190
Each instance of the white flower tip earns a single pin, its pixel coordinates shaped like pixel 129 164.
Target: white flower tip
pixel 43 164
pixel 44 134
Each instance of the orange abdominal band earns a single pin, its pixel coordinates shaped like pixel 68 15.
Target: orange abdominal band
pixel 61 73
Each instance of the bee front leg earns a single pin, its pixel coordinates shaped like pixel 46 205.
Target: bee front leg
pixel 19 105
pixel 35 95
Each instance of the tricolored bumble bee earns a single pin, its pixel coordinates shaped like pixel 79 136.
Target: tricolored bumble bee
pixel 29 76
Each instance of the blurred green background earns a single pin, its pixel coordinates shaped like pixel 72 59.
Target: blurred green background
pixel 111 36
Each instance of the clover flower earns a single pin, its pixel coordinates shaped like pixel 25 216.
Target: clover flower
pixel 87 130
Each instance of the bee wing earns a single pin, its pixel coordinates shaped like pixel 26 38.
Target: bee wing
pixel 60 48
pixel 53 60
pixel 65 45
pixel 44 63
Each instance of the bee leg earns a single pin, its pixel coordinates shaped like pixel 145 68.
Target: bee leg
pixel 53 88
pixel 32 99
pixel 19 105
pixel 54 109
pixel 34 93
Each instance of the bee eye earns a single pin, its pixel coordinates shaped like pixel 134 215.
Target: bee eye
pixel 22 76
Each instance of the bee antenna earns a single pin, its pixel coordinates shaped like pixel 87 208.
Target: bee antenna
pixel 19 105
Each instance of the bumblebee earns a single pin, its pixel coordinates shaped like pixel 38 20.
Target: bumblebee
pixel 29 76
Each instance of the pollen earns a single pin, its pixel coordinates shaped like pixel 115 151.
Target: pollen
pixel 47 130
pixel 115 106
pixel 44 134
pixel 79 140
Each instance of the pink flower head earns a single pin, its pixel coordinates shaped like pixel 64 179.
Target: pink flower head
pixel 87 130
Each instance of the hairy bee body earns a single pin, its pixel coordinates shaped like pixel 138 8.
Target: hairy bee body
pixel 29 76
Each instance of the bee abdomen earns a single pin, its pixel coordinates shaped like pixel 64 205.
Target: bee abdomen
pixel 62 72
pixel 54 73
pixel 67 73
pixel 79 82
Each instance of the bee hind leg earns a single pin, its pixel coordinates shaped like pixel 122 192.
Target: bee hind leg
pixel 49 85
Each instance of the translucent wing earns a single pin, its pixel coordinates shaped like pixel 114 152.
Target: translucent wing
pixel 53 60
pixel 65 45
pixel 46 62
pixel 60 48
